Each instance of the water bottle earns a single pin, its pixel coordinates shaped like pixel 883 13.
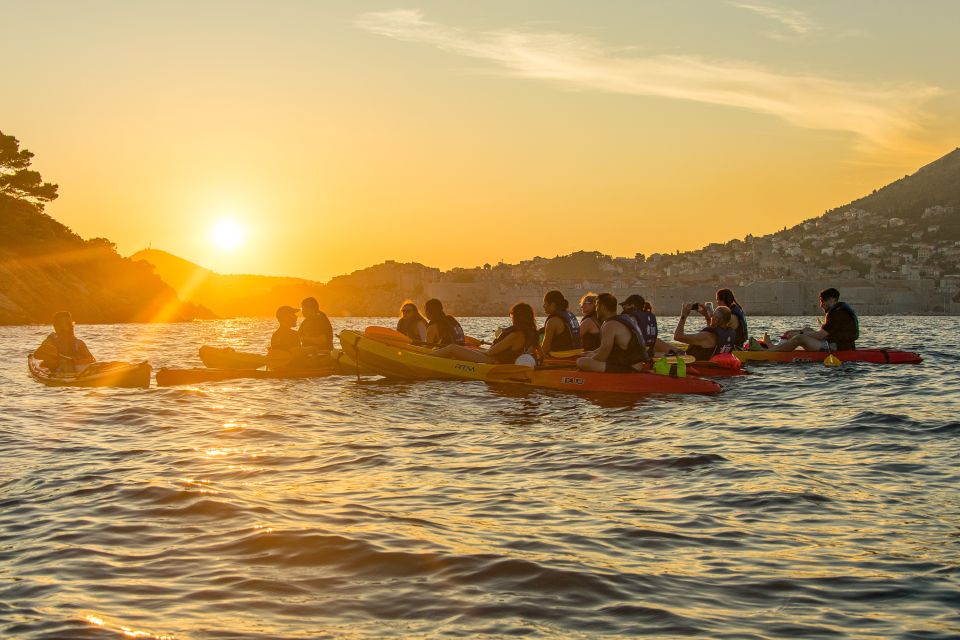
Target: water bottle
pixel 681 367
pixel 661 366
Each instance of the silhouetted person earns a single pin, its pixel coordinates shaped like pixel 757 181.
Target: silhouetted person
pixel 62 350
pixel 443 329
pixel 411 323
pixel 315 330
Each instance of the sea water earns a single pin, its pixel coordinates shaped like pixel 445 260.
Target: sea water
pixel 803 502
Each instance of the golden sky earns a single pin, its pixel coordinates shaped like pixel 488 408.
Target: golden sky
pixel 339 135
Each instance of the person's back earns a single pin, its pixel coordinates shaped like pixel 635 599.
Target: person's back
pixel 285 339
pixel 629 347
pixel 446 331
pixel 842 326
pixel 315 328
pixel 568 338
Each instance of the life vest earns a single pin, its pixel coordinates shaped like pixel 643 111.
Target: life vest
pixel 647 322
pixel 844 340
pixel 636 350
pixel 590 341
pixel 726 340
pixel 69 348
pixel 742 333
pixel 450 330
pixel 570 337
pixel 530 343
pixel 408 327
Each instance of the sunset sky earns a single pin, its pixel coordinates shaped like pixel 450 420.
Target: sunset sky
pixel 315 138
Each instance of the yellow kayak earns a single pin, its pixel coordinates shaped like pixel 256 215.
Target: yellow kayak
pixel 410 362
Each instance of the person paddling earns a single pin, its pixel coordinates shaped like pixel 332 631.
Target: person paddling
pixel 442 329
pixel 561 330
pixel 517 339
pixel 622 348
pixel 840 330
pixel 62 351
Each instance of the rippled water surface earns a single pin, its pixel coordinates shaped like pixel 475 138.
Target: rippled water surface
pixel 803 502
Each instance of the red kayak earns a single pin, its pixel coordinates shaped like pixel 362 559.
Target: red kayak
pixel 876 356
pixel 597 382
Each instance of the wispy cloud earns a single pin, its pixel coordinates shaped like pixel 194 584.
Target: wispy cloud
pixel 879 116
pixel 796 22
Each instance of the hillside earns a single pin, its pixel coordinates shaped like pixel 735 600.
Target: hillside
pixel 370 291
pixel 903 237
pixel 45 267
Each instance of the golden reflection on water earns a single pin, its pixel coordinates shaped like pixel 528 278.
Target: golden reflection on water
pixel 126 631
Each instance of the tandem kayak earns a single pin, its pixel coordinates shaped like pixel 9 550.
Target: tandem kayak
pixel 393 359
pixel 416 363
pixel 876 356
pixel 99 374
pixel 229 358
pixel 174 377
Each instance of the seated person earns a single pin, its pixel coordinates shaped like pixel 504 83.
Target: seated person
pixel 519 338
pixel 411 323
pixel 61 350
pixel 315 330
pixel 589 325
pixel 717 337
pixel 840 330
pixel 442 329
pixel 642 312
pixel 738 321
pixel 622 348
pixel 285 341
pixel 561 330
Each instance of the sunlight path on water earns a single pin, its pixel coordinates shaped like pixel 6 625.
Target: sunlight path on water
pixel 804 501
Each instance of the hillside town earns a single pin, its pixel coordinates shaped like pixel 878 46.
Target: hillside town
pixel 884 265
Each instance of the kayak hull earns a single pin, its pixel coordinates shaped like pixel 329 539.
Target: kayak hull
pixel 396 361
pixel 633 383
pixel 126 375
pixel 174 377
pixel 229 358
pixel 876 356
pixel 391 359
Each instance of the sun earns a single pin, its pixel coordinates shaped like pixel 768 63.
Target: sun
pixel 228 234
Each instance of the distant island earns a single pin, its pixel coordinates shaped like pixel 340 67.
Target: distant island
pixel 896 250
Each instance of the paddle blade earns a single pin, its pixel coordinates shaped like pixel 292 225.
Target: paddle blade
pixel 832 361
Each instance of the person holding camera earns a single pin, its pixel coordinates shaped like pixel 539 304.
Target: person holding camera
pixel 717 337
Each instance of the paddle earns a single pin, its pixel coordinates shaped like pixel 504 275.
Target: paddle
pixel 831 360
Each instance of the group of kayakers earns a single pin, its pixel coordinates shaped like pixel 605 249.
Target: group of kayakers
pixel 604 338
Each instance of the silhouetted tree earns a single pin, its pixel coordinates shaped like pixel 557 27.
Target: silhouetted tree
pixel 16 178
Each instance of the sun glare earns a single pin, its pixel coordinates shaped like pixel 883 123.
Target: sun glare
pixel 228 234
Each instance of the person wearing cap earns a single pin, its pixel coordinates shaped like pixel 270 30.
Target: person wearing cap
pixel 589 324
pixel 315 330
pixel 61 350
pixel 285 341
pixel 642 312
pixel 561 329
pixel 622 348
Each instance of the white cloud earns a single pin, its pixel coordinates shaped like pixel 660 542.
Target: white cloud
pixel 879 116
pixel 797 22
